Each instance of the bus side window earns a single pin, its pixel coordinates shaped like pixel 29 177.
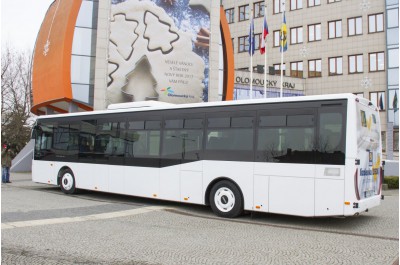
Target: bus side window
pixel 87 140
pixel 44 141
pixel 331 138
pixel 230 138
pixel 142 139
pixel 286 138
pixel 179 143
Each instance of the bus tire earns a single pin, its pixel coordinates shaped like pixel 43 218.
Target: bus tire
pixel 67 182
pixel 226 199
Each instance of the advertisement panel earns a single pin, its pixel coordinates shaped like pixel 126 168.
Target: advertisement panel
pixel 158 50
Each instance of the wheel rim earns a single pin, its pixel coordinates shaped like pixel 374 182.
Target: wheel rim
pixel 224 199
pixel 67 181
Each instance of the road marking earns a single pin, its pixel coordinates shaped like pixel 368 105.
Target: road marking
pixel 92 217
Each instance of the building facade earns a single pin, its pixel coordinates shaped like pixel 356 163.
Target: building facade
pixel 92 53
pixel 334 46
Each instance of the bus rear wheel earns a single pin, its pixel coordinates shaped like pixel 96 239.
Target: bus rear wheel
pixel 226 200
pixel 67 182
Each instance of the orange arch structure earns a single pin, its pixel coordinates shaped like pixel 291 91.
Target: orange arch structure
pixel 51 71
pixel 229 65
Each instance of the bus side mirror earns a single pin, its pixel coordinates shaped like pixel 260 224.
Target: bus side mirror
pixel 35 131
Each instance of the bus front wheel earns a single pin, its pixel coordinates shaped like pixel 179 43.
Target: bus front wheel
pixel 67 182
pixel 226 199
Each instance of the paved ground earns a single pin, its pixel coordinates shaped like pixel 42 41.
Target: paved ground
pixel 40 225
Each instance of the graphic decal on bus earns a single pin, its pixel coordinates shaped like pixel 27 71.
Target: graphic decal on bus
pixel 369 152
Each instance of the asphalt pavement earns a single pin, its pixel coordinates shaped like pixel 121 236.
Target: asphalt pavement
pixel 41 225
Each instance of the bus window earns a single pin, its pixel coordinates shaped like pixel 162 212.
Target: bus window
pixel 182 144
pixel 230 138
pixel 331 138
pixel 66 138
pixel 87 140
pixel 109 142
pixel 44 142
pixel 286 139
pixel 142 143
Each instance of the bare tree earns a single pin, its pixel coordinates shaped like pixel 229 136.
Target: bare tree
pixel 16 87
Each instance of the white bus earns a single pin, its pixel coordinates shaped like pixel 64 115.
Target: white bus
pixel 305 156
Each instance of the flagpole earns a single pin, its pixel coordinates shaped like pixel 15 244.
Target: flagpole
pixel 281 71
pixel 265 55
pixel 251 75
pixel 251 53
pixel 283 11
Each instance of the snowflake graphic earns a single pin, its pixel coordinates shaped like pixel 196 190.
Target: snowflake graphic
pixel 46 48
pixel 365 5
pixel 304 52
pixel 366 82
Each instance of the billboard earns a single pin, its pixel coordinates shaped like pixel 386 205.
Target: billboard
pixel 158 50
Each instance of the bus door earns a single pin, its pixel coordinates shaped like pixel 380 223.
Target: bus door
pixel 330 159
pixel 369 152
pixel 142 156
pixel 284 174
pixel 181 166
pixel 44 155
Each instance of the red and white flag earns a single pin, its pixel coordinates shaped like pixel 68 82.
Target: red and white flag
pixel 264 36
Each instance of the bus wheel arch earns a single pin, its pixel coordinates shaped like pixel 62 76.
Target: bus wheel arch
pixel 227 189
pixel 66 180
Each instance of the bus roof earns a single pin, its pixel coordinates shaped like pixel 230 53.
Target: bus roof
pixel 149 107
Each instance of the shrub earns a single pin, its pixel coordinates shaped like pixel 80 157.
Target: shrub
pixel 393 182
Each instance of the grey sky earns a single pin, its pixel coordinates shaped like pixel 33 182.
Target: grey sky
pixel 20 22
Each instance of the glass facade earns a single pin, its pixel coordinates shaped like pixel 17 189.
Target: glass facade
pixel 84 52
pixel 392 55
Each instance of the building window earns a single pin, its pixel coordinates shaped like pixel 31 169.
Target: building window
pixel 393 58
pixel 377 61
pixel 258 9
pixel 278 6
pixel 393 18
pixel 230 15
pixel 396 141
pixel 296 35
pixel 277 68
pixel 276 38
pixel 315 68
pixel 243 44
pixel 335 66
pixel 335 29
pixel 355 64
pixel 333 1
pixel 257 41
pixel 314 3
pixel 354 26
pixel 314 32
pixel 378 99
pixel 244 13
pixel 296 4
pixel 375 23
pixel 296 69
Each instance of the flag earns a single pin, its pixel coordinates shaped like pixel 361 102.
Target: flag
pixel 264 36
pixel 395 101
pixel 283 46
pixel 252 43
pixel 381 102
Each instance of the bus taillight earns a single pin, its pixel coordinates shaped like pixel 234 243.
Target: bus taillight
pixel 356 184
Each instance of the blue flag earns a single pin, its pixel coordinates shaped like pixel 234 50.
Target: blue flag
pixel 283 34
pixel 252 41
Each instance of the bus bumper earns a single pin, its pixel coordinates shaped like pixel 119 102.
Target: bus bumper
pixel 366 204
